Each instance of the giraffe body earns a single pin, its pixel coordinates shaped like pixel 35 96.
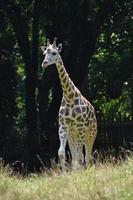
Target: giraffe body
pixel 77 120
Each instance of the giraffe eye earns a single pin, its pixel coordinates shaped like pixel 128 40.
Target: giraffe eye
pixel 54 53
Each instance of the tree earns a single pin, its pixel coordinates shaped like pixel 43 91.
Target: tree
pixel 18 12
pixel 8 85
pixel 110 69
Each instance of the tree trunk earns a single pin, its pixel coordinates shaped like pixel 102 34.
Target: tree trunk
pixel 31 66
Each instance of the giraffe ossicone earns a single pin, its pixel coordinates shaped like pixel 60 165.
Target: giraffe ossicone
pixel 77 119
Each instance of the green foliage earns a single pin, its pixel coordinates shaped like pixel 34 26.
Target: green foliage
pixel 117 109
pixel 110 69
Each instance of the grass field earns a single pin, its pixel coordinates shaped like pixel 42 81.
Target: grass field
pixel 99 182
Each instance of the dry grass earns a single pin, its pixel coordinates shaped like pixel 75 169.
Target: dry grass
pixel 106 181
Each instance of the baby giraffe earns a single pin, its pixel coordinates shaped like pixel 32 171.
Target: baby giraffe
pixel 77 119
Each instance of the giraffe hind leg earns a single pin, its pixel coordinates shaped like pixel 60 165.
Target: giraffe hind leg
pixel 89 140
pixel 76 153
pixel 88 149
pixel 80 154
pixel 73 150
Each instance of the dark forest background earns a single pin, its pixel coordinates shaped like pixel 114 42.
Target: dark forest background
pixel 97 37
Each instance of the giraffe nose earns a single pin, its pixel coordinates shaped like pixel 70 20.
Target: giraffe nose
pixel 45 64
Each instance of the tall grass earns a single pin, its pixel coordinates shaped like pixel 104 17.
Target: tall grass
pixel 102 181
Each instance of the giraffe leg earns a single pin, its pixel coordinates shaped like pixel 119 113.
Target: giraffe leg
pixel 61 151
pixel 74 153
pixel 80 153
pixel 88 150
pixel 88 147
pixel 89 140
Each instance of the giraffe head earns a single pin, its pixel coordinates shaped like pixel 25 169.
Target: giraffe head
pixel 51 52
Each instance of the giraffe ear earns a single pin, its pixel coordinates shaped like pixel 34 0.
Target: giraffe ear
pixel 59 47
pixel 43 48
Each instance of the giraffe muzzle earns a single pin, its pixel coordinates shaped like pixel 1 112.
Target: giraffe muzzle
pixel 44 64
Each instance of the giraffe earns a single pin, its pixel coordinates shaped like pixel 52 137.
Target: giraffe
pixel 77 119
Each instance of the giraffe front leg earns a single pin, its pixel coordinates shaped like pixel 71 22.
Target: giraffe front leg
pixel 61 151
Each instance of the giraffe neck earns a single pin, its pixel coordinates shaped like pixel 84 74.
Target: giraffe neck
pixel 66 83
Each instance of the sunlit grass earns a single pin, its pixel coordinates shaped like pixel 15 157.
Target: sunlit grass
pixel 98 182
